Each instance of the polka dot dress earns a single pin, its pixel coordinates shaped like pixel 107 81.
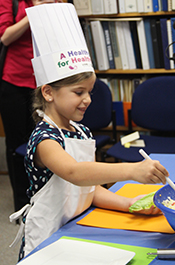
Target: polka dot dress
pixel 38 177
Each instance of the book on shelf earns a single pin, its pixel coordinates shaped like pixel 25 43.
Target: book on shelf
pixel 169 5
pixel 130 6
pixel 129 45
pixel 88 36
pixel 115 45
pixel 143 45
pixel 164 5
pixel 110 6
pixel 121 6
pixel 155 43
pixel 105 25
pixel 135 40
pixel 173 33
pixel 114 85
pixel 99 45
pixel 170 40
pixel 122 45
pixel 140 6
pixel 83 7
pixel 97 7
pixel 155 5
pixel 173 5
pixel 160 46
pixel 149 42
pixel 160 5
pixel 164 34
pixel 148 7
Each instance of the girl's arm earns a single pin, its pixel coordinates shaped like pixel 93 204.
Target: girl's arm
pixel 50 154
pixel 106 199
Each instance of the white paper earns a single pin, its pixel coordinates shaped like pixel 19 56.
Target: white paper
pixel 66 252
pixel 130 138
pixel 138 143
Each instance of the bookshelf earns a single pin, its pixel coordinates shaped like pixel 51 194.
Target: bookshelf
pixel 136 71
pixel 130 17
pixel 130 73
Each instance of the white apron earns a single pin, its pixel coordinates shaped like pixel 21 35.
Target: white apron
pixel 59 200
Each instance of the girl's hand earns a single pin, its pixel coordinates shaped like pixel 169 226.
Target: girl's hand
pixel 153 210
pixel 150 172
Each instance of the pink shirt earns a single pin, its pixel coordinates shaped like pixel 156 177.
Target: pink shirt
pixel 18 67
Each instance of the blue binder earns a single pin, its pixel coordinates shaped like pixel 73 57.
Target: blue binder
pixel 163 26
pixel 149 43
pixel 155 5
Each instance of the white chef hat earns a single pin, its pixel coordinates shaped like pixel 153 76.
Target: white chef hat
pixel 59 45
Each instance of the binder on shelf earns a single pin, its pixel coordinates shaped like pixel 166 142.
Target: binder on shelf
pixel 149 42
pixel 130 6
pixel 115 89
pixel 135 40
pixel 88 36
pixel 99 45
pixel 160 46
pixel 170 40
pixel 160 5
pixel 164 5
pixel 115 45
pixel 155 43
pixel 169 5
pixel 110 7
pixel 173 32
pixel 164 33
pixel 155 5
pixel 97 7
pixel 148 7
pixel 83 7
pixel 122 45
pixel 121 4
pixel 140 6
pixel 105 25
pixel 142 44
pixel 173 5
pixel 129 45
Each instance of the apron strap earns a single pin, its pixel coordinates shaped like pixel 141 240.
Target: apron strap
pixel 43 115
pixel 15 216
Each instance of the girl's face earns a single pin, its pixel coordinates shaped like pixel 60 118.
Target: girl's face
pixel 71 102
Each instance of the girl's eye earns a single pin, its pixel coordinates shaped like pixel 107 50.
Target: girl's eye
pixel 79 93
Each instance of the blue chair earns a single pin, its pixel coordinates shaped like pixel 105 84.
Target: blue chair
pixel 153 108
pixel 100 114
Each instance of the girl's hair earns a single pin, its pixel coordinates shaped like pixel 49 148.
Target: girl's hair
pixel 38 99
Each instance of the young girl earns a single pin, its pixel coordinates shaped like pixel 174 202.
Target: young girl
pixel 64 178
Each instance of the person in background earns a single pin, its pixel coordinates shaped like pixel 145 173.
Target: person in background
pixel 16 90
pixel 60 159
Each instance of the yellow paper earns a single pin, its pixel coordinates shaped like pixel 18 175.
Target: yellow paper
pixel 128 221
